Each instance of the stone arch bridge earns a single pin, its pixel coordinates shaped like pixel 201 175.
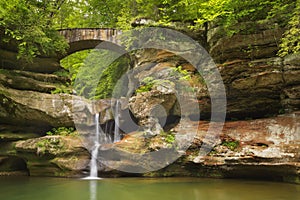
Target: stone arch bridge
pixel 78 39
pixel 89 38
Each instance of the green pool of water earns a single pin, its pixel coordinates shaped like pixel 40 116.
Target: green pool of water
pixel 144 189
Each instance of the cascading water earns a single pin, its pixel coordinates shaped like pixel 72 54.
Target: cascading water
pixel 94 154
pixel 103 137
pixel 117 122
pixel 93 165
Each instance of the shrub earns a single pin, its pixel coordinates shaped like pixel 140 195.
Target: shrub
pixel 232 145
pixel 63 131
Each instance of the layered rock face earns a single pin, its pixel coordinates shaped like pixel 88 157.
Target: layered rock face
pixel 258 84
pixel 255 40
pixel 29 109
pixel 261 148
pixel 259 88
pixel 9 60
pixel 255 88
pixel 257 81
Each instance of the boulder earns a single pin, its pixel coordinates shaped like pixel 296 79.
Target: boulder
pixel 261 148
pixel 36 109
pixel 156 103
pixel 62 156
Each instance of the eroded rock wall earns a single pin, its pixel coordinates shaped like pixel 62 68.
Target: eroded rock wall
pixel 258 84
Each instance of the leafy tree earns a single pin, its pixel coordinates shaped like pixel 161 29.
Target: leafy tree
pixel 31 24
pixel 28 24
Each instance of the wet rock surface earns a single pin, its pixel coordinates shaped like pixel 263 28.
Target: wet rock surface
pixel 263 149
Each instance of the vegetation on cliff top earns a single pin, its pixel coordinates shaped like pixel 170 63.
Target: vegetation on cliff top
pixel 32 24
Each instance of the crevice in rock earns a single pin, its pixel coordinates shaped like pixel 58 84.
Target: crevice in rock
pixel 13 165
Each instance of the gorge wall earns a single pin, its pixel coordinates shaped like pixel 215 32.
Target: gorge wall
pixel 258 84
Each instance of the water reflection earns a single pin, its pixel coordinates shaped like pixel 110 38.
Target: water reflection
pixel 93 189
pixel 145 189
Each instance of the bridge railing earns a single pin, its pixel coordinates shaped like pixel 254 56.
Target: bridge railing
pixel 81 34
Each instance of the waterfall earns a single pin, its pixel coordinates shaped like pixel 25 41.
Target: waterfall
pixel 94 154
pixel 117 122
pixel 93 164
pixel 97 129
pixel 103 137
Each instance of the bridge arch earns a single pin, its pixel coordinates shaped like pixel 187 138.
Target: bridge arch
pixel 89 38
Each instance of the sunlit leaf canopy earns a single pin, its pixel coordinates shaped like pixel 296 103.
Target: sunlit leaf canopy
pixel 31 24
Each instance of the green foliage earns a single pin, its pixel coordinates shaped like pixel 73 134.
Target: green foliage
pixel 168 137
pixel 73 62
pixel 111 81
pixel 66 89
pixel 162 12
pixel 144 88
pixel 32 26
pixel 182 78
pixel 227 13
pixel 96 74
pixel 49 145
pixel 63 131
pixel 290 42
pixel 181 74
pixel 178 77
pixel 147 85
pixel 73 14
pixel 62 89
pixel 63 73
pixel 29 25
pixel 232 145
